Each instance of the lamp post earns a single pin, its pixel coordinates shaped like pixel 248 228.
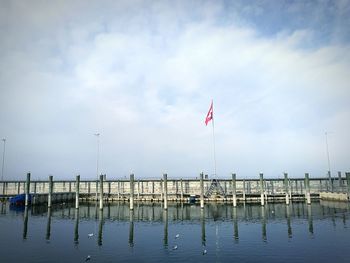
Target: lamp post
pixel 97 158
pixel 3 160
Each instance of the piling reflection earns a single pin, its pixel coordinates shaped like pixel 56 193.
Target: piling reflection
pixel 76 226
pixel 203 227
pixel 165 220
pixel 48 224
pixel 212 214
pixel 235 224
pixel 263 223
pixel 25 223
pixel 100 227
pixel 131 228
pixel 309 218
pixel 289 226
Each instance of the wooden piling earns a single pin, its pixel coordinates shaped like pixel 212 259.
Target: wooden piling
pixel 131 191
pixel 101 191
pixel 165 177
pixel 27 189
pixel 339 180
pixel 118 189
pixel 286 187
pixel 49 198
pixel 182 190
pixel 201 191
pixel 234 198
pixel 307 189
pixel 77 183
pixel 244 190
pixel 262 189
pixel 347 175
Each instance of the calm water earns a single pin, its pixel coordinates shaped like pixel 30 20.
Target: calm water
pixel 248 233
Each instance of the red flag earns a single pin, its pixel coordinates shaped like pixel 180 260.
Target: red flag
pixel 210 114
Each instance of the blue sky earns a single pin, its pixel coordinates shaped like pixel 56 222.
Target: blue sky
pixel 143 73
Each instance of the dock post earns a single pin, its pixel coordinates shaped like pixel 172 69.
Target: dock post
pixel 234 198
pixel 101 191
pixel 131 191
pixel 347 175
pixel 307 189
pixel 165 176
pixel 182 190
pixel 77 183
pixel 27 189
pixel 339 180
pixel 262 189
pixel 286 188
pixel 49 198
pixel 202 191
pixel 244 190
pixel 161 190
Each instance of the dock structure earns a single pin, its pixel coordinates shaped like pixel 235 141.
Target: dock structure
pixel 164 189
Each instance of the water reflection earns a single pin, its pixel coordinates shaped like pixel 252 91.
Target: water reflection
pixel 235 224
pixel 289 225
pixel 165 220
pixel 309 218
pixel 76 226
pixel 212 214
pixel 100 227
pixel 25 223
pixel 263 223
pixel 48 225
pixel 131 228
pixel 203 227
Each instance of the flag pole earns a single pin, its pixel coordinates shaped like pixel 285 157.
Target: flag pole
pixel 214 141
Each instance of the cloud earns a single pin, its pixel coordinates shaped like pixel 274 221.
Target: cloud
pixel 143 76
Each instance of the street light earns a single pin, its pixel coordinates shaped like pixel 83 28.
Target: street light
pixel 3 160
pixel 97 159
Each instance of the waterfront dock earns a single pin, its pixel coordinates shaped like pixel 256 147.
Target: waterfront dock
pixel 202 190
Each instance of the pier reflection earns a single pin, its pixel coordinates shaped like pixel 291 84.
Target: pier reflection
pixel 203 227
pixel 263 223
pixel 165 220
pixel 235 223
pixel 212 214
pixel 48 224
pixel 25 223
pixel 309 218
pixel 131 228
pixel 289 225
pixel 100 227
pixel 76 226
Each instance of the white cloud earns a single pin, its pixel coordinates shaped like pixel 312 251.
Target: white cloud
pixel 144 78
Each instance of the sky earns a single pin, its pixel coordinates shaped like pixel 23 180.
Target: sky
pixel 142 74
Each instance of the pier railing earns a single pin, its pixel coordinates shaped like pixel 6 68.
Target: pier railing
pixel 163 189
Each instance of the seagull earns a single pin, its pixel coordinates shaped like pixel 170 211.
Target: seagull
pixel 88 258
pixel 175 247
pixel 91 234
pixel 177 236
pixel 204 251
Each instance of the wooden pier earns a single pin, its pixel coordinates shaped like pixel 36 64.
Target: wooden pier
pixel 202 190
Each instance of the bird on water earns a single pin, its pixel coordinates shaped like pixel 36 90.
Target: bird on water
pixel 88 258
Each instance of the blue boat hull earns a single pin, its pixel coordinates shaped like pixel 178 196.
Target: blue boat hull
pixel 20 199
